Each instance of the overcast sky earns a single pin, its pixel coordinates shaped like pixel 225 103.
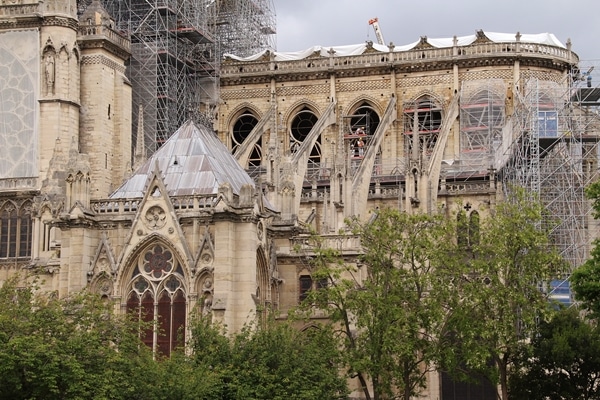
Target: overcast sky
pixel 306 23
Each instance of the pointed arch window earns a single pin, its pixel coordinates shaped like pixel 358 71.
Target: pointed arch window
pixel 423 117
pixel 242 128
pixel 481 122
pixel 156 295
pixel 301 126
pixel 474 228
pixel 15 230
pixel 363 123
pixel 467 229
pixel 306 283
pixel 364 117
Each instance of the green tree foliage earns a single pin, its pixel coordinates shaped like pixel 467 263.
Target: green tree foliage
pixel 585 280
pixel 391 309
pixel 562 363
pixel 77 348
pixel 269 361
pixel 73 348
pixel 501 300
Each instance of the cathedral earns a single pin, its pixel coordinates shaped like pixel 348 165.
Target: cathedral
pixel 218 216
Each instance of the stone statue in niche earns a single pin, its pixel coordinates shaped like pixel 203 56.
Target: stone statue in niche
pixel 207 305
pixel 49 72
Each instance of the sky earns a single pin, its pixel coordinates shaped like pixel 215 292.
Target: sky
pixel 302 24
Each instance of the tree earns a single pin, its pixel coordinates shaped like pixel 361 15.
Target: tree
pixel 501 296
pixel 69 348
pixel 269 360
pixel 563 361
pixel 585 280
pixel 391 307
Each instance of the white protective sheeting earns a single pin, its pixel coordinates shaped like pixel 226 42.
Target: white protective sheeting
pixel 540 38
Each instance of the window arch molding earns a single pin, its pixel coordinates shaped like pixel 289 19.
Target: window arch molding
pixel 129 260
pixel 364 101
pixel 364 112
pixel 242 109
pixel 247 149
pixel 263 287
pixel 286 118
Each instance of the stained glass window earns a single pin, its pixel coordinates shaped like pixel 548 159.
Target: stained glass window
pixel 157 296
pixel 15 230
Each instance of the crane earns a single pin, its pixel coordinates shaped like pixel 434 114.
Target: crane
pixel 378 34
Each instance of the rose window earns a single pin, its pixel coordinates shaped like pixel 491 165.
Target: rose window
pixel 158 262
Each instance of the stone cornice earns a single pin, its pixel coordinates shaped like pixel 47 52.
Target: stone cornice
pixel 34 21
pixel 62 101
pixel 60 21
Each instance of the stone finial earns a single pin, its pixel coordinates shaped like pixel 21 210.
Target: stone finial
pixel 140 146
pixel 226 192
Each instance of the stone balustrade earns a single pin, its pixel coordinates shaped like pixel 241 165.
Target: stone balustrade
pixel 16 10
pixel 18 183
pixel 184 203
pixel 101 30
pixel 346 244
pixel 466 187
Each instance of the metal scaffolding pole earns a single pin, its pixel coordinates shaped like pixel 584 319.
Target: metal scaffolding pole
pixel 176 50
pixel 553 154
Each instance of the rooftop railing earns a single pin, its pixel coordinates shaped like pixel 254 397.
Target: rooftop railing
pixel 182 203
pixel 15 10
pixel 101 30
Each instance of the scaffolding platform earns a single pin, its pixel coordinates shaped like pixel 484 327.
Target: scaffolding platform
pixel 550 154
pixel 194 35
pixel 587 96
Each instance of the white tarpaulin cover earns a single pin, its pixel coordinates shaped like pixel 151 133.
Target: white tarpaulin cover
pixel 340 51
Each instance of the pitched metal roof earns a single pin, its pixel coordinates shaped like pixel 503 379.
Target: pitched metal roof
pixel 192 162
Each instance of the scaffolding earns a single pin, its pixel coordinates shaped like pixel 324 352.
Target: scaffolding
pixel 550 148
pixel 244 27
pixel 176 48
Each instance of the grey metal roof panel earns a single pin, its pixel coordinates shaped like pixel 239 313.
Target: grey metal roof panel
pixel 192 162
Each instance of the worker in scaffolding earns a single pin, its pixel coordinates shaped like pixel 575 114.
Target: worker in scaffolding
pixel 361 147
pixel 360 131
